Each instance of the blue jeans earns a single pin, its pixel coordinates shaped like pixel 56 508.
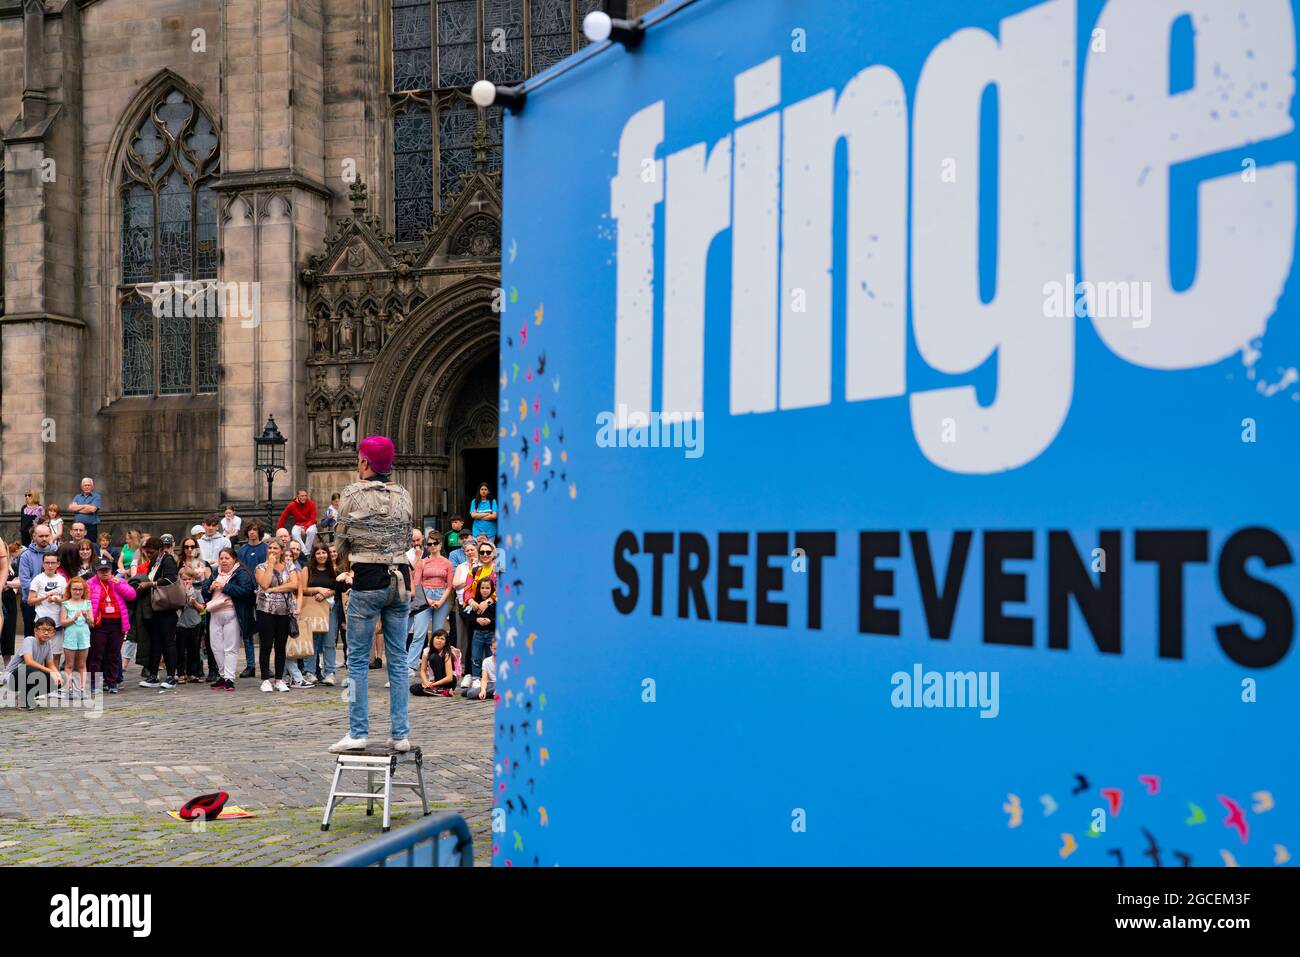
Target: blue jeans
pixel 363 608
pixel 425 619
pixel 481 649
pixel 326 642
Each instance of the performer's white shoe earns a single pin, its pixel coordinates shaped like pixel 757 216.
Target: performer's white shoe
pixel 348 743
pixel 400 744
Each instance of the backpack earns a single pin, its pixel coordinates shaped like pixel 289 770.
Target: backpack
pixel 458 666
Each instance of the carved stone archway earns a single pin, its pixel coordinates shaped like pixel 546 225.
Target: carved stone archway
pixel 411 392
pixel 394 332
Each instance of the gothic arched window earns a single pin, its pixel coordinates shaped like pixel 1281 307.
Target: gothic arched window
pixel 440 48
pixel 168 244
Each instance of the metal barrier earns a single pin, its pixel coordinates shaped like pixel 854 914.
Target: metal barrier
pixel 442 840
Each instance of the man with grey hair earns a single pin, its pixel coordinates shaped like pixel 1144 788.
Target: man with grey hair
pixel 87 505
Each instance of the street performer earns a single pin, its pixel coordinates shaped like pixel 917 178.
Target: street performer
pixel 373 534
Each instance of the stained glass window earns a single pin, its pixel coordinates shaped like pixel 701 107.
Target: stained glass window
pixel 205 353
pixel 412 54
pixel 413 171
pixel 175 221
pixel 205 232
pixel 456 125
pixel 137 349
pixel 168 233
pixel 440 48
pixel 175 342
pixel 503 41
pixel 137 235
pixel 551 28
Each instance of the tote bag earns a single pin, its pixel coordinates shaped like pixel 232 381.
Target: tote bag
pixel 314 615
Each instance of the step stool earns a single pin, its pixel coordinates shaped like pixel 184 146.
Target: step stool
pixel 373 762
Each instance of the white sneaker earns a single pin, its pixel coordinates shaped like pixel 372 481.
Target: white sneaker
pixel 348 743
pixel 309 680
pixel 299 683
pixel 329 680
pixel 400 744
pixel 266 685
pixel 281 686
pixel 465 682
pixel 385 684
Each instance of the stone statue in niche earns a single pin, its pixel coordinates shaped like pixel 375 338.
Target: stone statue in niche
pixel 345 335
pixel 370 333
pixel 324 431
pixel 321 334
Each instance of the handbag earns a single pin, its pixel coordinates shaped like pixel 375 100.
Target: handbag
pixel 299 645
pixel 166 597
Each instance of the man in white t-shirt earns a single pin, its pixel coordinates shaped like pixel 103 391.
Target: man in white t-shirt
pixel 45 594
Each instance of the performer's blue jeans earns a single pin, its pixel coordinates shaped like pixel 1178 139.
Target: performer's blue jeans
pixel 363 608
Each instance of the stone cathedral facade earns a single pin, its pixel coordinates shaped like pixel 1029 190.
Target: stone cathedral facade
pixel 318 168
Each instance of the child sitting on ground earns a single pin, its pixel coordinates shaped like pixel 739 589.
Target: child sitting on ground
pixel 437 669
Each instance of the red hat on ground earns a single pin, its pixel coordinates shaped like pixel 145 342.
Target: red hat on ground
pixel 207 806
pixel 379 451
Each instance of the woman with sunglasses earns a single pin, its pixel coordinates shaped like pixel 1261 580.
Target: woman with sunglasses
pixel 194 571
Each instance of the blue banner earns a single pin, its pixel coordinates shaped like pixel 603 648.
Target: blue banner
pixel 899 437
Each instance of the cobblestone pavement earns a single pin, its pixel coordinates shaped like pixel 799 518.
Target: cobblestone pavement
pixel 93 786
